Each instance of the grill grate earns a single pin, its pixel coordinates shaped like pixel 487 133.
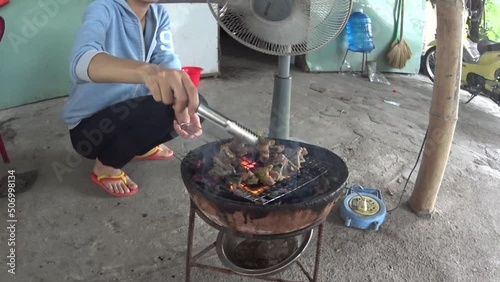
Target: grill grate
pixel 310 170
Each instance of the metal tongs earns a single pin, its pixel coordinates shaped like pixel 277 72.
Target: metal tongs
pixel 230 126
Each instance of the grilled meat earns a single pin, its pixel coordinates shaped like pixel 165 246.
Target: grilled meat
pixel 262 174
pixel 273 163
pixel 238 148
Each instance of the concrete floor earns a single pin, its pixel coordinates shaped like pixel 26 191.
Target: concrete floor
pixel 70 230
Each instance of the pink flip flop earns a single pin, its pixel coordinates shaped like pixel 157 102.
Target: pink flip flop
pixel 153 154
pixel 99 180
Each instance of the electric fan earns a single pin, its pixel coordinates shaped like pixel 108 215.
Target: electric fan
pixel 283 28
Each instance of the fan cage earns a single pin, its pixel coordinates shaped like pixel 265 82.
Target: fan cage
pixel 315 23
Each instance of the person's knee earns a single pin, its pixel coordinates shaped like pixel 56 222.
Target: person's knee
pixel 83 146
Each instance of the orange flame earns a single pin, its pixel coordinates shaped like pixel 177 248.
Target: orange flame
pixel 247 163
pixel 254 190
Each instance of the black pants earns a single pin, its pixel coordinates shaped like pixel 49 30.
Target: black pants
pixel 115 135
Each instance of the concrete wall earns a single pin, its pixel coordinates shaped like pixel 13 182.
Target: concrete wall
pixel 430 25
pixel 34 53
pixel 330 57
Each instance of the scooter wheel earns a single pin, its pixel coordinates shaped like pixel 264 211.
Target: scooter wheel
pixel 430 63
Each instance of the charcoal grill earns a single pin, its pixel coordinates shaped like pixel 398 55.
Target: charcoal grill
pixel 303 201
pixel 289 208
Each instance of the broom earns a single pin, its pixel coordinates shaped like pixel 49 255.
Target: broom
pixel 400 51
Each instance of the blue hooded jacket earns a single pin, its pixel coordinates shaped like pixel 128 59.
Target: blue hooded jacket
pixel 111 26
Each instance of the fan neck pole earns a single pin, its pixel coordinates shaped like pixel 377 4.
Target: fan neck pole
pixel 284 66
pixel 280 110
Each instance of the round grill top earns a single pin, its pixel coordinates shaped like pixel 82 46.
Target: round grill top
pixel 282 27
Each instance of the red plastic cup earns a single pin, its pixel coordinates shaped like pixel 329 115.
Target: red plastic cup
pixel 194 73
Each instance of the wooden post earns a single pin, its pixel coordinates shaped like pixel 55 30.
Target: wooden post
pixel 444 108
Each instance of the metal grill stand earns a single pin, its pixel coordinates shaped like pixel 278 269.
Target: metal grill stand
pixel 191 261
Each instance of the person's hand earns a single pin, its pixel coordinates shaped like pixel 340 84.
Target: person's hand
pixel 191 129
pixel 173 87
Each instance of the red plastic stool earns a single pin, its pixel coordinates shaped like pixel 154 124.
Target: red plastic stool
pixel 3 151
